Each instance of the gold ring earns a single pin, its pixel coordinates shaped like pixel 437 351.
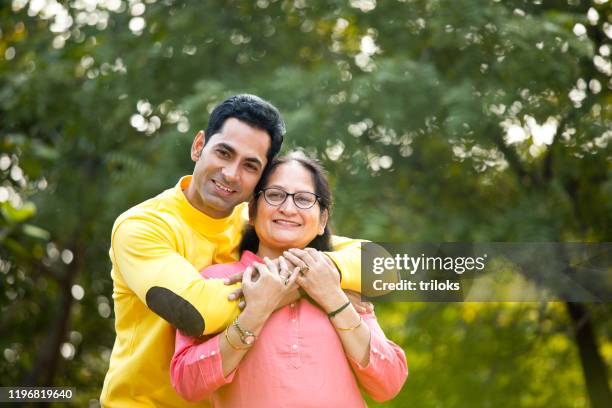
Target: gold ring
pixel 287 281
pixel 304 269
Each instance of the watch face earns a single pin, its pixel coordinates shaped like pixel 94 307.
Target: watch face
pixel 249 340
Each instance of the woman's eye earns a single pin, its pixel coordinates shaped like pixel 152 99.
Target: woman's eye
pixel 275 196
pixel 303 200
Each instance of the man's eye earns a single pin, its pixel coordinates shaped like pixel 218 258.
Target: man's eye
pixel 251 167
pixel 223 153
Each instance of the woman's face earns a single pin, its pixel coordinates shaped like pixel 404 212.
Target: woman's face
pixel 287 226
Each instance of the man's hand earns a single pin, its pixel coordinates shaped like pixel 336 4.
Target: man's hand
pixel 290 297
pixel 237 294
pixel 359 305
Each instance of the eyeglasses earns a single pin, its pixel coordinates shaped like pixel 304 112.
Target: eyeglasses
pixel 302 199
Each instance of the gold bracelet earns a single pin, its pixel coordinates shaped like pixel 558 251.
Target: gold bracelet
pixel 230 342
pixel 350 328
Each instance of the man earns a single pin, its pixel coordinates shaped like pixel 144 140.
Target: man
pixel 158 247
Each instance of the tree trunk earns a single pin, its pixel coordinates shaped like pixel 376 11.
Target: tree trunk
pixel 45 366
pixel 593 365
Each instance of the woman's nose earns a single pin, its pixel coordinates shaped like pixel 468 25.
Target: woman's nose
pixel 288 206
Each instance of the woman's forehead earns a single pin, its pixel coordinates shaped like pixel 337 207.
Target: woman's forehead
pixel 292 175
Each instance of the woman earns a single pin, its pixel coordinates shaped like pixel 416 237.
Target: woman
pixel 282 350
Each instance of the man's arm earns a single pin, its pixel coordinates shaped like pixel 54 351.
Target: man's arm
pixel 144 255
pixel 347 259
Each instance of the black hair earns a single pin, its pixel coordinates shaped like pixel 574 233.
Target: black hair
pixel 250 240
pixel 254 111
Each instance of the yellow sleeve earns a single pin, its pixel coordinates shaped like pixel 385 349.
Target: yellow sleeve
pixel 144 256
pixel 347 257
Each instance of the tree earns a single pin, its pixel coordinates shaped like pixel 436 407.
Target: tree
pixel 437 120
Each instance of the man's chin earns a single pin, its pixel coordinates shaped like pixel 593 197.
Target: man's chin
pixel 220 205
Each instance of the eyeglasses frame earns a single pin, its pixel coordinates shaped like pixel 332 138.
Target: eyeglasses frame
pixel 292 195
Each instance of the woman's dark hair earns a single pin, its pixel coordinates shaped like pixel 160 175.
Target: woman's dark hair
pixel 254 111
pixel 250 240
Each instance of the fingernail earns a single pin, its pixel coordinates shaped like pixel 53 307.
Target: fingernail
pixel 231 296
pixel 226 280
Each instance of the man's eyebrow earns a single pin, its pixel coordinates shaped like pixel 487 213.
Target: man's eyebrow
pixel 226 147
pixel 232 151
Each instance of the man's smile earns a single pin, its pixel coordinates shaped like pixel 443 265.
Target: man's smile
pixel 225 190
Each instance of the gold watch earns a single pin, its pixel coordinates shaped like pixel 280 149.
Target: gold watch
pixel 246 337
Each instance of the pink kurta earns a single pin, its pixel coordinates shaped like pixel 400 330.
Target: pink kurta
pixel 297 361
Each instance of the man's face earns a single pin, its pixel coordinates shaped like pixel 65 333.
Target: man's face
pixel 227 168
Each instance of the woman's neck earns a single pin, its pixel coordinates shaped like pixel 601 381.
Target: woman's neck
pixel 271 253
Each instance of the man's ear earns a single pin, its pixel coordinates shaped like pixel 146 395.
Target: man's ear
pixel 197 146
pixel 324 219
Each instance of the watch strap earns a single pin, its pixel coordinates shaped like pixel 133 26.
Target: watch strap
pixel 244 333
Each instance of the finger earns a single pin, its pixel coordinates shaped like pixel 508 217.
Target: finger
pixel 285 271
pixel 322 258
pixel 363 307
pixel 230 280
pixel 247 276
pixel 290 263
pixel 273 269
pixel 235 294
pixel 262 269
pixel 294 275
pixel 283 265
pixel 303 255
pixel 316 254
pixel 294 259
pixel 328 260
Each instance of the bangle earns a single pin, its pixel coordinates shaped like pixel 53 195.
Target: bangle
pixel 341 308
pixel 351 328
pixel 230 342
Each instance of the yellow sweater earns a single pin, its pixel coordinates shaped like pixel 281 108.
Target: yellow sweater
pixel 157 250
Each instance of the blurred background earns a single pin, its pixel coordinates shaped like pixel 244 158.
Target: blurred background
pixel 441 120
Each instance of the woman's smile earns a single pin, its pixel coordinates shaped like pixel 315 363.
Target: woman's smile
pixel 287 223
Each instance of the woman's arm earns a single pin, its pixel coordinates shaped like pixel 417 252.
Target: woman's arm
pixel 198 369
pixel 383 370
pixel 379 364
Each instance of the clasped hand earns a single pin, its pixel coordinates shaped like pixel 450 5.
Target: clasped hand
pixel 274 284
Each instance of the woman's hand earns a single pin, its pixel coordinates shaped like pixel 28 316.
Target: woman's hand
pixel 318 278
pixel 264 288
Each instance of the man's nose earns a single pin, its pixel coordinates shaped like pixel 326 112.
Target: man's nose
pixel 230 172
